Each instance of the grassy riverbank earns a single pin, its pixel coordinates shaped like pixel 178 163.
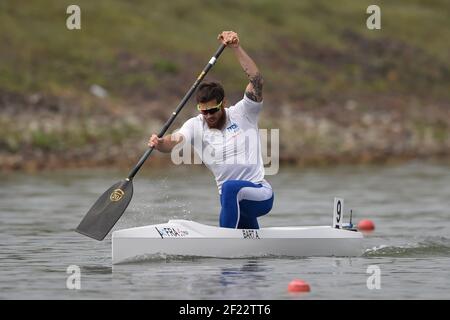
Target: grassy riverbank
pixel 337 91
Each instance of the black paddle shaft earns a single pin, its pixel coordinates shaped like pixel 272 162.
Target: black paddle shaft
pixel 108 209
pixel 178 109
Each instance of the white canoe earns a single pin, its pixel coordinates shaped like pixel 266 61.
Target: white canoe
pixel 189 238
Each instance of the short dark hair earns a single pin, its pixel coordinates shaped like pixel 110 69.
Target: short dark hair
pixel 208 91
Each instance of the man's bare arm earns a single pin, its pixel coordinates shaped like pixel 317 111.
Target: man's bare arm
pixel 254 88
pixel 166 143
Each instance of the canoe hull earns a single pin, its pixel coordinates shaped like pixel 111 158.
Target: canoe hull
pixel 188 238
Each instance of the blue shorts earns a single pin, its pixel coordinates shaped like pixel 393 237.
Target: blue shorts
pixel 242 202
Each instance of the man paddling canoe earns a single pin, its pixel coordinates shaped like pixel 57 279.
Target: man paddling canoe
pixel 244 193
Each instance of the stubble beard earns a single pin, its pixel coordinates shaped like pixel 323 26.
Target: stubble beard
pixel 220 123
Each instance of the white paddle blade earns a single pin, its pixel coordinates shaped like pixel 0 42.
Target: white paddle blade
pixel 338 212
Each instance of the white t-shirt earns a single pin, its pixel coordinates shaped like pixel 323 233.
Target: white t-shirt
pixel 233 153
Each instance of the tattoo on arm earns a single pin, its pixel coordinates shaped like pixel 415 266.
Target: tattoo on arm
pixel 254 92
pixel 251 95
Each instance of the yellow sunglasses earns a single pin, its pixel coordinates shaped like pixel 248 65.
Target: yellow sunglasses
pixel 210 110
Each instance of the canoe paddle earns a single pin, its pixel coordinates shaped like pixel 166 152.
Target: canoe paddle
pixel 108 209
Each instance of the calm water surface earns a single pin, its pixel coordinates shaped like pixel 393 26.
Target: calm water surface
pixel 409 203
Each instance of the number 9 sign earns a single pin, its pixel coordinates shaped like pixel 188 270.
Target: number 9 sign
pixel 338 212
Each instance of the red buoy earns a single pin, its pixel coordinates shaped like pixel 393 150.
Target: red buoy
pixel 298 285
pixel 366 225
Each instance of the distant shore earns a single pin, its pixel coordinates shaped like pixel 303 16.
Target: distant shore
pixel 337 91
pixel 46 137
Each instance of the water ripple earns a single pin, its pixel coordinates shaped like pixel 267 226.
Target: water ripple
pixel 438 246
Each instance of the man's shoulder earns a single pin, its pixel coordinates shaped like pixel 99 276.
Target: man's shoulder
pixel 249 101
pixel 246 108
pixel 246 102
pixel 190 127
pixel 198 119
